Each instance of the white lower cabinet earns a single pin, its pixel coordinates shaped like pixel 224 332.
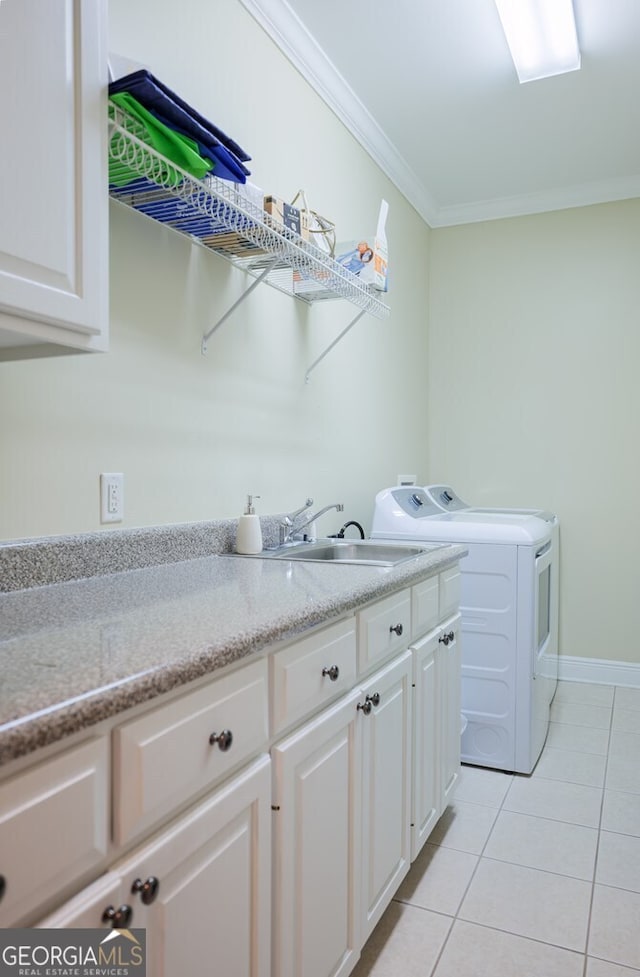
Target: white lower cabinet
pixel 341 795
pixel 436 728
pixel 426 800
pixel 201 889
pixel 317 800
pixel 386 793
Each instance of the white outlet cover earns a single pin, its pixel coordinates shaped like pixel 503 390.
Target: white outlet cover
pixel 111 497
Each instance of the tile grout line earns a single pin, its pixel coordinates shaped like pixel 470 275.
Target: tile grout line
pixel 595 861
pixel 456 916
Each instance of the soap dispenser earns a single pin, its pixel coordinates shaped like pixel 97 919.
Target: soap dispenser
pixel 249 536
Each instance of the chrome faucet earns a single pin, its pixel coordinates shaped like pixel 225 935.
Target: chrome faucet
pixel 287 533
pixel 288 521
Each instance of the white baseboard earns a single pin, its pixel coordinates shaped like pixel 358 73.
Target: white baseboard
pixel 599 670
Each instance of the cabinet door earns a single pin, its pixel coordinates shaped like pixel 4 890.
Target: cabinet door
pixel 384 629
pixel 449 587
pixel 311 672
pixel 165 757
pixel 53 180
pixel 386 795
pixel 316 825
pixel 426 798
pixel 425 606
pixel 210 915
pixel 450 669
pixel 54 824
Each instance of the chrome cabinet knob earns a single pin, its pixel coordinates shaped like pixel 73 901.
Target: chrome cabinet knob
pixel 223 739
pixel 119 918
pixel 446 638
pixel 397 628
pixel 369 702
pixel 333 672
pixel 148 889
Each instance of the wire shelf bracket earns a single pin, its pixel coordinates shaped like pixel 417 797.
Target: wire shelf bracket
pixel 334 343
pixel 254 284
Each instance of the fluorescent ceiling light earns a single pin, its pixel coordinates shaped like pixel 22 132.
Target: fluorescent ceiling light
pixel 541 35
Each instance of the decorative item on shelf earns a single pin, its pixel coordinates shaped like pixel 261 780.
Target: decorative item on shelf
pixel 285 215
pixel 316 229
pixel 368 258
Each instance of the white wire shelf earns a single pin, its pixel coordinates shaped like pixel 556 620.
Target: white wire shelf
pixel 216 214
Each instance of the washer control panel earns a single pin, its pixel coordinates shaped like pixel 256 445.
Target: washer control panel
pixel 415 502
pixel 445 498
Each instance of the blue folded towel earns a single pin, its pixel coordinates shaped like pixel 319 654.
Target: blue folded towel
pixel 169 108
pixel 145 196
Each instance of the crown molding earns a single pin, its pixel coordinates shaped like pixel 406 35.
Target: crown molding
pixel 294 40
pixel 581 195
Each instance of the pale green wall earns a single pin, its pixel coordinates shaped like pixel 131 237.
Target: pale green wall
pixel 527 394
pixel 534 395
pixel 193 435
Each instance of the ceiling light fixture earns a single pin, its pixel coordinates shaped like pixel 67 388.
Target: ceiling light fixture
pixel 541 35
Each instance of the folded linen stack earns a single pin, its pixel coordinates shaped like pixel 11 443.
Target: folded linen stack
pixel 176 130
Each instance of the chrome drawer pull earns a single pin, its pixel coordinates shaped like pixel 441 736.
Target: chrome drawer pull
pixel 446 638
pixel 333 672
pixel 397 628
pixel 223 739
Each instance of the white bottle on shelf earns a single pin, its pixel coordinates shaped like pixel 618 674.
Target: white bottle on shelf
pixel 249 535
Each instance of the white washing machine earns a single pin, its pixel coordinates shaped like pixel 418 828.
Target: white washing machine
pixel 449 501
pixel 509 605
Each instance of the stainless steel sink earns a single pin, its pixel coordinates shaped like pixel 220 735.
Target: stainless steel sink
pixel 369 552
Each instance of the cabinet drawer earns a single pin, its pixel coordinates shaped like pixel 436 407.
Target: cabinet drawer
pixel 425 606
pixel 53 826
pixel 166 756
pixel 449 591
pixel 383 629
pixel 307 674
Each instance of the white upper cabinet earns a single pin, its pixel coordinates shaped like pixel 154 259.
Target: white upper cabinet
pixel 53 179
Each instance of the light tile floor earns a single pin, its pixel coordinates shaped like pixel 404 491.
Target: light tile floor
pixel 531 876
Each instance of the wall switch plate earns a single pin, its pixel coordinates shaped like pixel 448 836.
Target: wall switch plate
pixel 111 497
pixel 406 480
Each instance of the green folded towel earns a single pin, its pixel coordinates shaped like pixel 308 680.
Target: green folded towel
pixel 172 145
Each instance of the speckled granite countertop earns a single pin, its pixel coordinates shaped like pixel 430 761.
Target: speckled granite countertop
pixel 73 654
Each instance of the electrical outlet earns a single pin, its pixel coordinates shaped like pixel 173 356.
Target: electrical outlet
pixel 406 480
pixel 111 497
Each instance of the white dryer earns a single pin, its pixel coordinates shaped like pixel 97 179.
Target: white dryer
pixel 509 611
